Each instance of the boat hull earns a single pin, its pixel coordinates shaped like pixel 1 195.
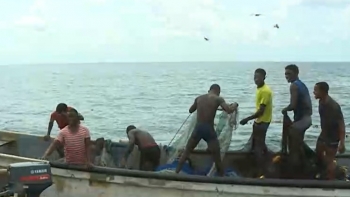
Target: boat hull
pixel 73 181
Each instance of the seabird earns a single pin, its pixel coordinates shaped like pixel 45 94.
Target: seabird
pixel 276 26
pixel 206 39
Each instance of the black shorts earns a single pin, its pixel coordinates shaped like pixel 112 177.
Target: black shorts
pixel 204 131
pixel 328 142
pixel 150 155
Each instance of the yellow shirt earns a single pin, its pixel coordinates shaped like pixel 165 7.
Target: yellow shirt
pixel 264 96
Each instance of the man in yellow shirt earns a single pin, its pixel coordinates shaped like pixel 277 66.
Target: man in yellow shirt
pixel 262 116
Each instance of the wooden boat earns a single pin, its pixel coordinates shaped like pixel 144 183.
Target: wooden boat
pixel 70 181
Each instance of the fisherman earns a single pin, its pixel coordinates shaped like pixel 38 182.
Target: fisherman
pixel 60 116
pixel 262 116
pixel 149 149
pixel 300 104
pixel 331 139
pixel 206 106
pixel 75 139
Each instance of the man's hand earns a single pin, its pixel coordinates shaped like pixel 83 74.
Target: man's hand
pixel 47 137
pixel 122 163
pixel 284 111
pixel 89 165
pixel 341 148
pixel 244 121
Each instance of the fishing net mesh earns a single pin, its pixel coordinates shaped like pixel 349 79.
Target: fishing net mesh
pixel 225 124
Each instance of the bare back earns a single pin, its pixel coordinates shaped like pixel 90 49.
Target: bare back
pixel 143 138
pixel 207 104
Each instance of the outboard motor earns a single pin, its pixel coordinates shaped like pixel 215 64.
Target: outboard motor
pixel 28 179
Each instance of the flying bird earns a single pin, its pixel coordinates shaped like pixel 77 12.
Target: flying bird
pixel 256 14
pixel 276 26
pixel 206 39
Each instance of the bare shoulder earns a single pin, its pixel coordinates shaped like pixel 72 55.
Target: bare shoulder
pixel 219 99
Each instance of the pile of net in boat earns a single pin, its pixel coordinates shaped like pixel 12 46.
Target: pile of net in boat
pixel 225 125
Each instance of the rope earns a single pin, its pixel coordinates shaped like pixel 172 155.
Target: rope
pixel 179 129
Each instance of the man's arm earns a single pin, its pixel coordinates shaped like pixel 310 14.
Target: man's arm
pixel 193 107
pixel 55 144
pixel 340 118
pixel 131 145
pixel 224 105
pixel 51 122
pixel 87 141
pixel 293 97
pixel 265 99
pixel 51 148
pixel 258 113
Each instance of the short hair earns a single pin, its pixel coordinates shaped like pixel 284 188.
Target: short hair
pixel 61 107
pixel 130 127
pixel 73 110
pixel 323 86
pixel 261 71
pixel 215 87
pixel 293 68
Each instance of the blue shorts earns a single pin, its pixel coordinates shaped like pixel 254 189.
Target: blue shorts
pixel 204 131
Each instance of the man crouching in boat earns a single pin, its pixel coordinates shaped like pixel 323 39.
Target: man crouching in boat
pixel 206 106
pixel 149 149
pixel 331 139
pixel 75 139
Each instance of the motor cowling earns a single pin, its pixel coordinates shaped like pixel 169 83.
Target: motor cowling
pixel 30 178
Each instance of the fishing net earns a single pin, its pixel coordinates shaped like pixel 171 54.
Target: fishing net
pixel 225 125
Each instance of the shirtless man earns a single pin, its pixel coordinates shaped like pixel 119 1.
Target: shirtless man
pixel 149 149
pixel 331 139
pixel 206 106
pixel 300 104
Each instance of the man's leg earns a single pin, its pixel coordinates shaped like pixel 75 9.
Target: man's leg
pixel 214 147
pixel 329 157
pixel 296 136
pixel 191 144
pixel 259 135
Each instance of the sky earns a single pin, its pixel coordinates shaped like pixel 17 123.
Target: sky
pixel 79 31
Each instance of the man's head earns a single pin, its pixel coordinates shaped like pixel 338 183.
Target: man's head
pixel 291 72
pixel 321 90
pixel 73 117
pixel 62 108
pixel 259 76
pixel 129 128
pixel 215 89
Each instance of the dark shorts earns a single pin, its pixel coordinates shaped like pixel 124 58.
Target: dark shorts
pixel 259 137
pixel 204 131
pixel 151 155
pixel 329 143
pixel 262 126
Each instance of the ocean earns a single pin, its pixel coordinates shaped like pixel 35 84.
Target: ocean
pixel 153 96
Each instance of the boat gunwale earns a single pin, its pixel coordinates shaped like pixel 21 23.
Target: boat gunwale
pixel 213 180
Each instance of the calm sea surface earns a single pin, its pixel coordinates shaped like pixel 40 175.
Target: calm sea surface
pixel 153 96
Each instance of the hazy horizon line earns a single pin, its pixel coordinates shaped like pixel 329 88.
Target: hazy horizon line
pixel 153 62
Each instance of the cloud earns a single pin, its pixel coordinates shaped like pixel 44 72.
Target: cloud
pixel 33 18
pixel 325 3
pixel 32 22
